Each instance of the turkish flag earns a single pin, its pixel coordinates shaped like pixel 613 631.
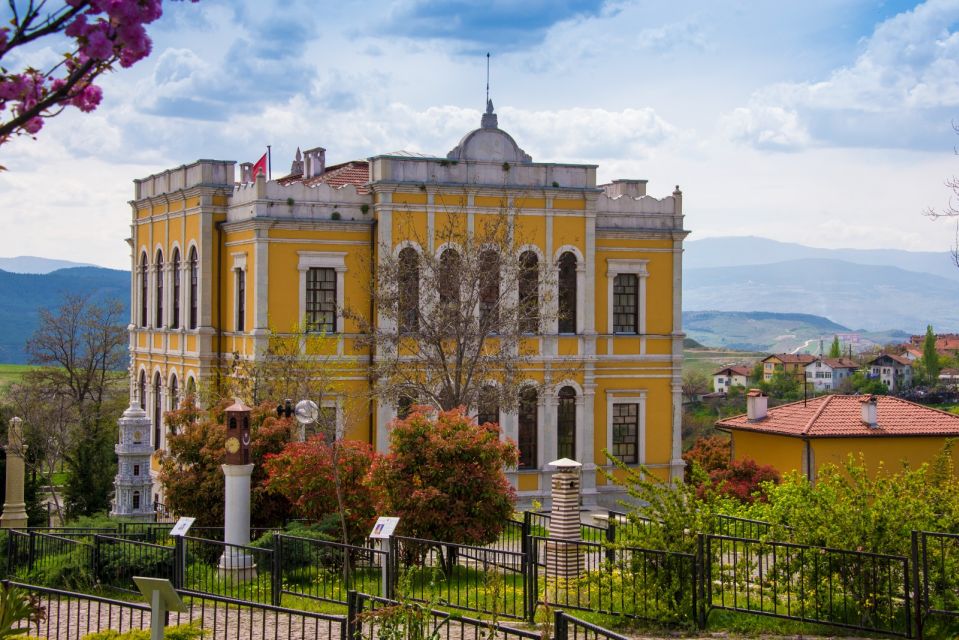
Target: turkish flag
pixel 259 167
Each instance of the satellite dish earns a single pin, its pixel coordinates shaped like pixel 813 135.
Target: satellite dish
pixel 306 412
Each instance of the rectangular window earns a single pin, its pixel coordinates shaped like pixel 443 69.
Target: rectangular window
pixel 240 300
pixel 626 432
pixel 625 303
pixel 321 300
pixel 527 429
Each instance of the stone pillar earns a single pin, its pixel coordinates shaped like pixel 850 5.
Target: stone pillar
pixel 236 521
pixel 14 508
pixel 564 560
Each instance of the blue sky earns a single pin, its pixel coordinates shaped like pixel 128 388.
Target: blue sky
pixel 822 122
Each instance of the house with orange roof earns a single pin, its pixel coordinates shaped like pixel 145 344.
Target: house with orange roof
pixel 894 371
pixel 826 374
pixel 791 363
pixel 736 375
pixel 803 436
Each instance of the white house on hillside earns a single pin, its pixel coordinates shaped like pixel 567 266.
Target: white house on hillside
pixel 894 371
pixel 826 374
pixel 737 376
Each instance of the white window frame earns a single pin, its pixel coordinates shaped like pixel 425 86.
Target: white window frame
pixel 239 264
pixel 323 260
pixel 636 266
pixel 627 396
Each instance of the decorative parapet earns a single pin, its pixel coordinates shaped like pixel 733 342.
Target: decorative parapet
pixel 641 212
pixel 207 173
pixel 265 198
pixel 443 171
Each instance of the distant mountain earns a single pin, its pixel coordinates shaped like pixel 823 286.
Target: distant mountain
pixel 34 264
pixel 872 298
pixel 24 295
pixel 738 251
pixel 773 332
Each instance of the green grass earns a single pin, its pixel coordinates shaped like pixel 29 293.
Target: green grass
pixel 11 373
pixel 708 361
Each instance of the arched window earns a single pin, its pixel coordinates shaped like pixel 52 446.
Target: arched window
pixel 449 280
pixel 409 290
pixel 144 289
pixel 529 292
pixel 174 393
pixel 157 409
pixel 159 289
pixel 240 300
pixel 567 293
pixel 489 290
pixel 404 406
pixel 142 390
pixel 487 405
pixel 194 281
pixel 527 428
pixel 191 389
pixel 175 320
pixel 566 424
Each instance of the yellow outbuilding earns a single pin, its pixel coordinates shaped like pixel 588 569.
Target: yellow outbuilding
pixel 220 259
pixel 803 436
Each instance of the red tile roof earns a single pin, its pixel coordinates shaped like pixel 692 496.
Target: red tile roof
pixel 354 172
pixel 735 370
pixel 792 358
pixel 841 416
pixel 903 360
pixel 841 363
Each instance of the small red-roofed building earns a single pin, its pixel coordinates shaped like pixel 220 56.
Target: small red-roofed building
pixel 787 363
pixel 735 376
pixel 826 374
pixel 805 435
pixel 894 371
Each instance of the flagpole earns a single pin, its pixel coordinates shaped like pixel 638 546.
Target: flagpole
pixel 269 163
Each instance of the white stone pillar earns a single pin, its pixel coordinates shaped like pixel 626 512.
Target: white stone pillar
pixel 236 521
pixel 14 508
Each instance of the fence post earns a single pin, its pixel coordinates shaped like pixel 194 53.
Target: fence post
pixel 560 626
pixel 392 567
pixel 179 562
pixel 611 539
pixel 95 558
pixel 31 550
pixel 700 578
pixel 532 581
pixel 354 607
pixel 11 569
pixel 918 594
pixel 276 576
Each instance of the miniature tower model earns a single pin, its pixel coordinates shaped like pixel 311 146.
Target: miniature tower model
pixel 237 469
pixel 14 509
pixel 132 486
pixel 564 560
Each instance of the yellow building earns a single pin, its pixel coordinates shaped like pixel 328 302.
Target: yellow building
pixel 787 363
pixel 218 259
pixel 805 435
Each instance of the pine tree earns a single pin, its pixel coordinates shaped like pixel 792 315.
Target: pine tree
pixel 930 357
pixel 835 351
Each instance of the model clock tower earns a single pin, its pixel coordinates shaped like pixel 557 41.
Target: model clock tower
pixel 132 486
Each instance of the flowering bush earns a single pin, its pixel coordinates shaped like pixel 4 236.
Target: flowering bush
pixel 102 33
pixel 444 478
pixel 303 473
pixel 741 479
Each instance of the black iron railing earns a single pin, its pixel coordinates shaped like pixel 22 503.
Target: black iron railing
pixel 566 627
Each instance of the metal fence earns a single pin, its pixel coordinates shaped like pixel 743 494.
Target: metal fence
pixel 566 627
pixel 328 571
pixel 935 561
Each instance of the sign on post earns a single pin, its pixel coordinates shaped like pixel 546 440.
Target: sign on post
pixel 382 531
pixel 181 527
pixel 161 596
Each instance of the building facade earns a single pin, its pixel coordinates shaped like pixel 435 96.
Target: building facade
pixel 735 376
pixel 894 371
pixel 826 374
pixel 793 364
pixel 219 259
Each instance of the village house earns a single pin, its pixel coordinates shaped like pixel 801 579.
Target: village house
pixel 793 364
pixel 826 374
pixel 803 436
pixel 893 371
pixel 734 376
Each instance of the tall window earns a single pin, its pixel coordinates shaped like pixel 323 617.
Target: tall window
pixel 567 293
pixel 174 393
pixel 175 320
pixel 159 290
pixel 489 289
pixel 194 282
pixel 409 290
pixel 566 424
pixel 144 289
pixel 404 406
pixel 136 499
pixel 241 299
pixel 321 300
pixel 449 281
pixel 527 428
pixel 142 390
pixel 529 292
pixel 157 410
pixel 488 406
pixel 626 432
pixel 191 389
pixel 626 303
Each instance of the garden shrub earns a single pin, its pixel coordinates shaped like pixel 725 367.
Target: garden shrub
pixel 179 632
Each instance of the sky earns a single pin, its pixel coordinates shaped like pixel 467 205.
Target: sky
pixel 824 122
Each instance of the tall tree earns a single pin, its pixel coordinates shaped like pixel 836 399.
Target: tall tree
pixel 97 36
pixel 835 350
pixel 930 357
pixel 455 327
pixel 82 390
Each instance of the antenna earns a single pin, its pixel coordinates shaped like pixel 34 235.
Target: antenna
pixel 487 76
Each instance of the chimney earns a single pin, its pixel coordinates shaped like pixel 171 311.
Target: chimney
pixel 629 188
pixel 246 170
pixel 869 413
pixel 756 403
pixel 315 162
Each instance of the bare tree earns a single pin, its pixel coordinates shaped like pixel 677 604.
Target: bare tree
pixel 951 210
pixel 458 326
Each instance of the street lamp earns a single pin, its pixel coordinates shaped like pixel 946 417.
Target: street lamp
pixel 306 412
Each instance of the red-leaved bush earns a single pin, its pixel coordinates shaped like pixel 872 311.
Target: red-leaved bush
pixel 444 477
pixel 710 453
pixel 741 479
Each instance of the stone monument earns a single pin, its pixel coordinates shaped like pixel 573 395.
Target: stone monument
pixel 564 560
pixel 238 470
pixel 133 485
pixel 14 508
